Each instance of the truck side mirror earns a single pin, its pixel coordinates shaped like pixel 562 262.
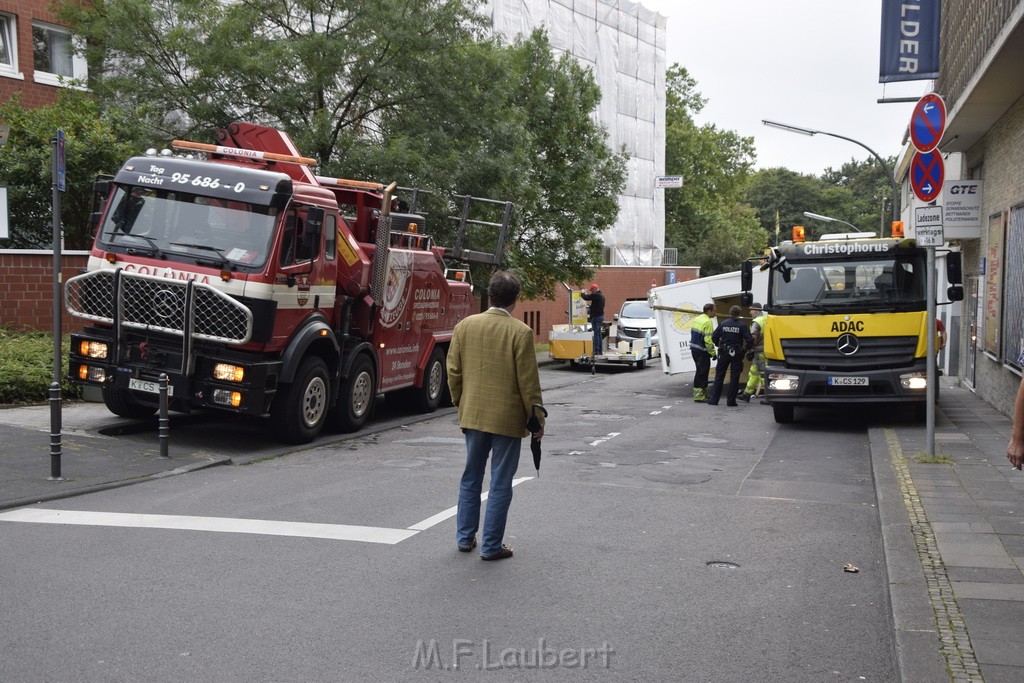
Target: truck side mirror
pixel 746 298
pixel 954 269
pixel 101 188
pixel 955 293
pixel 746 275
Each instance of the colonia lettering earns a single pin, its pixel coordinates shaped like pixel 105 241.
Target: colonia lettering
pixel 848 326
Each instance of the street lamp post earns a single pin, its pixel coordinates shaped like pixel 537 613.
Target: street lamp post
pixel 811 131
pixel 829 219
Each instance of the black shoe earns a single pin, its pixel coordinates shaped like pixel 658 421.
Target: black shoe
pixel 745 397
pixel 467 548
pixel 734 404
pixel 502 554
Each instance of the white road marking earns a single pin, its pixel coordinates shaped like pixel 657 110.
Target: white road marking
pixel 611 435
pixel 655 412
pixel 268 527
pixel 450 512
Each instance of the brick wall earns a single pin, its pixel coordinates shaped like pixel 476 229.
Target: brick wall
pixel 26 278
pixel 618 283
pixel 32 94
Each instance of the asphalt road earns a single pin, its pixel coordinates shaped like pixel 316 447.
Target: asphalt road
pixel 664 540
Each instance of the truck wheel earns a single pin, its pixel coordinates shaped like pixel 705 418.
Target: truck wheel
pixel 435 383
pixel 358 391
pixel 299 408
pixel 783 414
pixel 121 402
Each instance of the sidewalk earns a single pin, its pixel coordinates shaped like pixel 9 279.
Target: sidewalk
pixel 959 607
pixel 953 531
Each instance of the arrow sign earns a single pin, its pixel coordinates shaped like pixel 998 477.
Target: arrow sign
pixel 926 175
pixel 928 123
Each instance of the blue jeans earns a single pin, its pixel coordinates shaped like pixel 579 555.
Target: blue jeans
pixel 504 451
pixel 596 323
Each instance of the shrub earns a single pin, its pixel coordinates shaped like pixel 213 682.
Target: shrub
pixel 26 367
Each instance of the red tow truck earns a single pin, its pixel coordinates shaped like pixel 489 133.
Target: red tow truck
pixel 260 288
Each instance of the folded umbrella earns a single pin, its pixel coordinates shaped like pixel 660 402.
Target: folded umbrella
pixel 533 425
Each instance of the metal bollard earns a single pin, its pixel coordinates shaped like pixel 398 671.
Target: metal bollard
pixel 165 422
pixel 55 433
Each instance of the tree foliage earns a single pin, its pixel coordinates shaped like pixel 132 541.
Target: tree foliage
pixel 94 144
pixel 391 90
pixel 859 193
pixel 705 219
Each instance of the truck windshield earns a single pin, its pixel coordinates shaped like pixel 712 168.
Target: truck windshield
pixel 178 225
pixel 870 284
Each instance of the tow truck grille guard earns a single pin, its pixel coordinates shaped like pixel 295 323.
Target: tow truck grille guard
pixel 152 303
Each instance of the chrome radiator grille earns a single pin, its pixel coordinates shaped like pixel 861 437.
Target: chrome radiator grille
pixel 147 302
pixel 873 353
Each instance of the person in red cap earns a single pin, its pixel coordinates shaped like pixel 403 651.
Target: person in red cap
pixel 596 299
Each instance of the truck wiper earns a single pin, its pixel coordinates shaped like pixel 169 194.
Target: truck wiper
pixel 202 247
pixel 811 304
pixel 155 251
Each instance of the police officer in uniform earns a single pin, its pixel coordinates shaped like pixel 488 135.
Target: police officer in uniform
pixel 732 338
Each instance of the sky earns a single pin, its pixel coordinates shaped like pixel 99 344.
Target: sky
pixel 809 63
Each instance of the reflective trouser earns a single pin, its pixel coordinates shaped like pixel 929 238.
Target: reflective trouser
pixel 755 374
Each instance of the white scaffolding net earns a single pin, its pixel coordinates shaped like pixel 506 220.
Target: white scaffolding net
pixel 624 44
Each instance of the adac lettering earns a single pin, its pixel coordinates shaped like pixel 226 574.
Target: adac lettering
pixel 841 326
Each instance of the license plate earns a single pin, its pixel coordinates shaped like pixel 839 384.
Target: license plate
pixel 848 381
pixel 149 386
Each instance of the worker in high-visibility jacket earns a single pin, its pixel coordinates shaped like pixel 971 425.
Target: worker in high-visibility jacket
pixel 702 348
pixel 755 374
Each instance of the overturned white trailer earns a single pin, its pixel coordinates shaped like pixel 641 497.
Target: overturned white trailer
pixel 676 305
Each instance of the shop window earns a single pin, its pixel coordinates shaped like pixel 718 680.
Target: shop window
pixel 54 55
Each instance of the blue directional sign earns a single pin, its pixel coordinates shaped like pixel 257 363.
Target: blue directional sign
pixel 926 175
pixel 928 123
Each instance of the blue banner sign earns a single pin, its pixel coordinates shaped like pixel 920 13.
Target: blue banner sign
pixel 910 40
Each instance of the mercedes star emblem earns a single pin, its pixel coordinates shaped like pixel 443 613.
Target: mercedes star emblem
pixel 847 344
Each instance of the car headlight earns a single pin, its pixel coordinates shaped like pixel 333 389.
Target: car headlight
pixel 228 373
pixel 92 349
pixel 914 380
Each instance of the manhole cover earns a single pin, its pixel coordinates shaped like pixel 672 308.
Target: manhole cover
pixel 722 564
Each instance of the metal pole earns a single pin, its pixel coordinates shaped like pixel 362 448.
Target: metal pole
pixel 55 406
pixel 932 375
pixel 164 433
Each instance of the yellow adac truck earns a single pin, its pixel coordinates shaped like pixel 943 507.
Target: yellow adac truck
pixel 847 323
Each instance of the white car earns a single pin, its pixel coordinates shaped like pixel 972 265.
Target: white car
pixel 636 320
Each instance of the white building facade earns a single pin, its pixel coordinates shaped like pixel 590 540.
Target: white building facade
pixel 624 44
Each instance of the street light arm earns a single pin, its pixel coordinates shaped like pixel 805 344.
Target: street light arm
pixel 830 219
pixel 885 166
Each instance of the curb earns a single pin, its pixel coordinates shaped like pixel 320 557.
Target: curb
pixel 58 495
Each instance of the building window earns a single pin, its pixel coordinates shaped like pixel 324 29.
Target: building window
pixel 8 46
pixel 53 54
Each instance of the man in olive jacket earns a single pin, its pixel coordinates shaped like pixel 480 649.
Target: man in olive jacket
pixel 493 378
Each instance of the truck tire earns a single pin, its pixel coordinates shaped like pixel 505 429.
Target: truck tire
pixel 783 413
pixel 435 383
pixel 121 402
pixel 356 397
pixel 299 408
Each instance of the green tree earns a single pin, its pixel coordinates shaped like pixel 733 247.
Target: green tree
pixel 94 144
pixel 867 200
pixel 705 219
pixel 316 68
pixel 782 194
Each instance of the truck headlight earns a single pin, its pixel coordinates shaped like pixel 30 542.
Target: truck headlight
pixel 225 397
pixel 92 349
pixel 782 382
pixel 914 380
pixel 228 373
pixel 91 373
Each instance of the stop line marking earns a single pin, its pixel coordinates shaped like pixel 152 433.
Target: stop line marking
pixel 266 527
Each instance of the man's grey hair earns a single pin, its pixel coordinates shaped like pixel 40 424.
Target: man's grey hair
pixel 503 289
